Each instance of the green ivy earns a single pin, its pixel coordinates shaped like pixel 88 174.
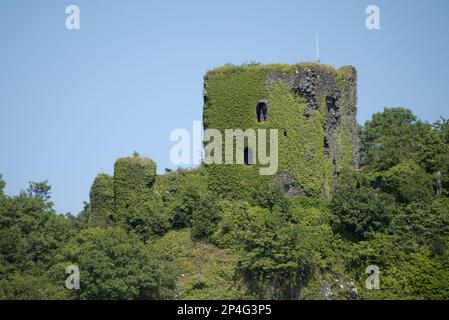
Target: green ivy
pixel 231 95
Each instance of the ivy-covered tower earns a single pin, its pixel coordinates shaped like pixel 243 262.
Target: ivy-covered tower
pixel 313 106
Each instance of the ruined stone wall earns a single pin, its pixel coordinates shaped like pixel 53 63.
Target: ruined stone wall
pixel 312 105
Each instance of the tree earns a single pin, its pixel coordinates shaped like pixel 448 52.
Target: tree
pixel 271 197
pixel 186 202
pixel 29 287
pixel 148 220
pixel 279 257
pixel 113 265
pixel 408 182
pixel 422 224
pixel 31 231
pixel 41 190
pixel 2 186
pixel 358 209
pixel 205 219
pixel 234 219
pixel 390 137
pixel 441 158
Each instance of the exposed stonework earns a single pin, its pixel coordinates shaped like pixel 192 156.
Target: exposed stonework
pixel 287 184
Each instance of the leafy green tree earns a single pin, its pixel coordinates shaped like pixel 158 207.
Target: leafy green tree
pixel 29 287
pixel 428 277
pixel 390 137
pixel 271 197
pixel 113 265
pixel 441 154
pixel 408 182
pixel 234 219
pixel 81 220
pixel 30 230
pixel 186 202
pixel 269 245
pixel 405 275
pixel 358 209
pixel 40 190
pixel 148 220
pixel 422 224
pixel 442 127
pixel 2 186
pixel 205 219
pixel 278 258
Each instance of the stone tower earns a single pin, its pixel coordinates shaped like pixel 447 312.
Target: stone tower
pixel 313 106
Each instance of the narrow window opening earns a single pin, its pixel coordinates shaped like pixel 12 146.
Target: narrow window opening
pixel 262 110
pixel 326 146
pixel 248 156
pixel 331 104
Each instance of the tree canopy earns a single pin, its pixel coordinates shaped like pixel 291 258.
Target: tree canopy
pixel 149 236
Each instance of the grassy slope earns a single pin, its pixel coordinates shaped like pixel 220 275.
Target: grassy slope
pixel 203 270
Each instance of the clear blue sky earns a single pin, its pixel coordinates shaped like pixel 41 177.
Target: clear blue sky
pixel 71 102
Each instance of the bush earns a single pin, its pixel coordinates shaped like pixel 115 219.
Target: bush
pixel 113 265
pixel 388 138
pixel 189 198
pixel 408 182
pixel 278 258
pixel 148 220
pixel 28 287
pixel 271 197
pixel 234 219
pixel 2 186
pixel 205 219
pixel 420 224
pixel 30 232
pixel 358 210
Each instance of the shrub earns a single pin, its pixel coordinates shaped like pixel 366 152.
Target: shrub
pixel 408 182
pixel 205 219
pixel 358 209
pixel 113 265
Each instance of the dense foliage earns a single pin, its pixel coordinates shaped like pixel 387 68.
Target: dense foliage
pixel 115 265
pixel 148 236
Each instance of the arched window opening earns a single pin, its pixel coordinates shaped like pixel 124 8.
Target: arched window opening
pixel 262 110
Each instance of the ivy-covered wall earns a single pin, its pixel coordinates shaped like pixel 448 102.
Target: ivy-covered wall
pixel 133 182
pixel 102 201
pixel 129 198
pixel 312 105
